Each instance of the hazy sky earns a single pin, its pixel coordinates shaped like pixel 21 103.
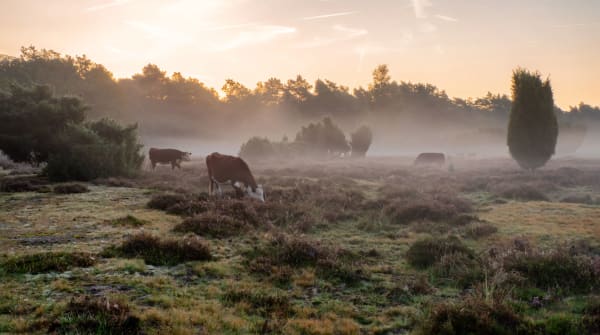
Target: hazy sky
pixel 467 47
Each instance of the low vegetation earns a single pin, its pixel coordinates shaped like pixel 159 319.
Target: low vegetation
pixel 157 251
pixel 46 262
pixel 68 188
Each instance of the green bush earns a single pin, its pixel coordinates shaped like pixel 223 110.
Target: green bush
pixel 426 252
pixel 94 150
pixel 533 127
pixel 46 262
pixel 257 148
pixel 361 141
pixel 557 270
pixel 156 251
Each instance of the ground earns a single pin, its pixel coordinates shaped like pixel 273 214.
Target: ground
pixel 336 237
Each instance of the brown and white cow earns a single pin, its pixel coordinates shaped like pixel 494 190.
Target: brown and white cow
pixel 168 156
pixel 234 171
pixel 431 158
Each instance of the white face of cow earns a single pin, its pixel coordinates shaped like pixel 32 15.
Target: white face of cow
pixel 187 156
pixel 258 194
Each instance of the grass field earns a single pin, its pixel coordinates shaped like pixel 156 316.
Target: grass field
pixel 372 246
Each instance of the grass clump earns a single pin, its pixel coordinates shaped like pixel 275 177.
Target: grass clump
pixel 213 225
pixel 156 251
pixel 90 315
pixel 260 300
pixel 474 316
pixel 479 230
pixel 426 252
pixel 428 208
pixel 298 252
pixel 165 201
pixel 46 262
pixel 556 270
pixel 128 220
pixel 522 192
pixel 69 188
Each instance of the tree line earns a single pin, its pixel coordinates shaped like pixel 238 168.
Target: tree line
pixel 166 105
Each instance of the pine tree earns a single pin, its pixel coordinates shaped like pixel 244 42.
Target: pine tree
pixel 533 127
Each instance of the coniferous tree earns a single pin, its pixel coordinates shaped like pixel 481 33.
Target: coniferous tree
pixel 533 127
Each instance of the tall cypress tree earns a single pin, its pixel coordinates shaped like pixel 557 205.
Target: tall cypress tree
pixel 533 127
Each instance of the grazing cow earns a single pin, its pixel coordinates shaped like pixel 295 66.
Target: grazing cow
pixel 234 171
pixel 168 156
pixel 431 158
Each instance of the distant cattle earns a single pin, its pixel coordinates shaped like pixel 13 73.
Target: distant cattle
pixel 168 156
pixel 431 158
pixel 232 170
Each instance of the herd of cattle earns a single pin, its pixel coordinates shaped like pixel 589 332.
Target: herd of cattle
pixel 231 170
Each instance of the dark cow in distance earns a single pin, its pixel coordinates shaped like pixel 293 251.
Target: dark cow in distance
pixel 431 158
pixel 168 156
pixel 234 171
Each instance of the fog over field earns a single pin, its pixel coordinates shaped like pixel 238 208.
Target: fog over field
pixel 317 167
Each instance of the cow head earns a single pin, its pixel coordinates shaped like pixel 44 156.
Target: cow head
pixel 258 194
pixel 186 156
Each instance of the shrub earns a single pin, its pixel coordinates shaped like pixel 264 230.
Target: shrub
pixel 474 316
pixel 323 138
pixel 479 230
pixel 211 224
pixel 522 192
pixel 165 201
pixel 426 252
pixel 578 199
pixel 128 220
pixel 262 301
pixel 89 315
pixel 69 188
pixel 301 252
pixel 257 149
pixel 23 184
pixel 156 251
pixel 432 208
pixel 556 270
pixel 361 141
pixel 459 267
pixel 533 127
pixel 46 262
pixel 96 149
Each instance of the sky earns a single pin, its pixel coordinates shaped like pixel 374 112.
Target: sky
pixel 466 47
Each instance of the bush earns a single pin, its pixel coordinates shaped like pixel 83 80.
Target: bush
pixel 68 188
pixel 556 270
pixel 46 262
pixel 426 252
pixel 19 185
pixel 156 251
pixel 474 316
pixel 323 138
pixel 301 252
pixel 361 141
pixel 94 150
pixel 429 208
pixel 262 301
pixel 89 315
pixel 533 127
pixel 522 192
pixel 211 224
pixel 164 202
pixel 257 149
pixel 479 230
pixel 128 220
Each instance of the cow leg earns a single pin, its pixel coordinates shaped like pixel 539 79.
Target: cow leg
pixel 153 165
pixel 173 165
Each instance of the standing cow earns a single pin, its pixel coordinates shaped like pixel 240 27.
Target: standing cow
pixel 234 171
pixel 168 156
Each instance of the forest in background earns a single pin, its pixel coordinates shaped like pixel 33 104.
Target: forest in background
pixel 414 116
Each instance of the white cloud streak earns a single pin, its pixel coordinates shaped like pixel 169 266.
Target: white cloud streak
pixel 446 18
pixel 340 33
pixel 326 16
pixel 258 35
pixel 106 5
